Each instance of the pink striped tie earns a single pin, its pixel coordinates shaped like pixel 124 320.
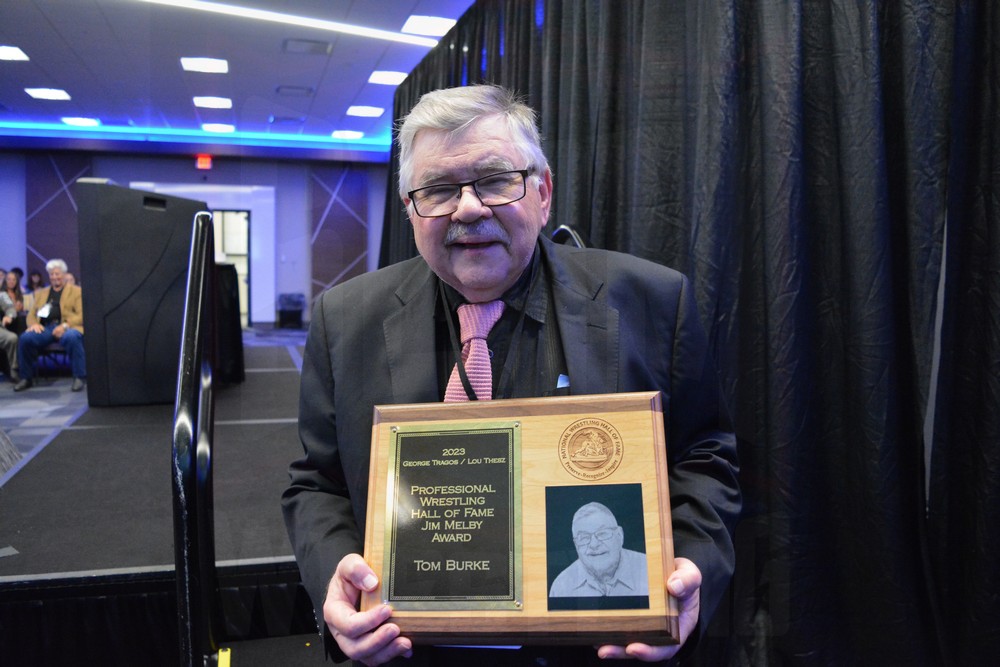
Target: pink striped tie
pixel 475 320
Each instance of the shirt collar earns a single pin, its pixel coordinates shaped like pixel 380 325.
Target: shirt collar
pixel 616 580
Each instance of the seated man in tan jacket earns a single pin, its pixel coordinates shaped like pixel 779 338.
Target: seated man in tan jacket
pixel 56 315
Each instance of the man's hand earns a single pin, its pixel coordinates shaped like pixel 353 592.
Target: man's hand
pixel 59 331
pixel 685 585
pixel 363 636
pixel 36 328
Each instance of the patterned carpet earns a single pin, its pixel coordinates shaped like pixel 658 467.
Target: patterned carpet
pixel 32 418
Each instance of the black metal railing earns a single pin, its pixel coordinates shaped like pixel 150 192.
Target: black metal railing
pixel 194 526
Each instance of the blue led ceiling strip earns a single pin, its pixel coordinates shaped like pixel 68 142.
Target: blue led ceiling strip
pixel 128 133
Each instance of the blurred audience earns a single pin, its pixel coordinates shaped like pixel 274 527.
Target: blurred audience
pixel 56 315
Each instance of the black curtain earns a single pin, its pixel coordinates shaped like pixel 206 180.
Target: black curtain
pixel 827 172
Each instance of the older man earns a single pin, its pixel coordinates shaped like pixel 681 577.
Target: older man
pixel 56 315
pixel 478 190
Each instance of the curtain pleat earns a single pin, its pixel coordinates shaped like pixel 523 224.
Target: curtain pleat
pixel 803 163
pixel 964 499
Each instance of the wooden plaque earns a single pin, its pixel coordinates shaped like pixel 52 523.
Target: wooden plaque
pixel 473 520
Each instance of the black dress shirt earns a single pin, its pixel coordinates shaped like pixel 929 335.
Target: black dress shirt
pixel 525 348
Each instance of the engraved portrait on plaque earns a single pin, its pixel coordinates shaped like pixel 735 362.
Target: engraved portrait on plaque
pixel 596 547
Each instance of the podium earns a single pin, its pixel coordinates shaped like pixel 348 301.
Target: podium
pixel 134 252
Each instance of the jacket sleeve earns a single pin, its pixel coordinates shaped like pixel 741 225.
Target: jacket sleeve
pixel 7 306
pixel 72 314
pixel 37 300
pixel 703 469
pixel 316 505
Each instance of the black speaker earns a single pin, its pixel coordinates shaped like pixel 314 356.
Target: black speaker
pixel 134 254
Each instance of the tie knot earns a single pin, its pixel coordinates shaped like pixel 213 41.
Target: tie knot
pixel 476 319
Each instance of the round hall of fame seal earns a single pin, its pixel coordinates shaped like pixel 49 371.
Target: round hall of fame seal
pixel 590 449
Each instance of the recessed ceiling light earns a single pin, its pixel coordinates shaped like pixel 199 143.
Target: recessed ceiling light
pixel 213 102
pixel 347 134
pixel 432 26
pixel 47 93
pixel 387 78
pixel 12 53
pixel 218 127
pixel 207 65
pixel 81 122
pixel 367 112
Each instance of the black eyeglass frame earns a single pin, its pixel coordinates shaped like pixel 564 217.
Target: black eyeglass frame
pixel 461 186
pixel 577 539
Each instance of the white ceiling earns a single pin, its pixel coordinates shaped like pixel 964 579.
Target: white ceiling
pixel 120 62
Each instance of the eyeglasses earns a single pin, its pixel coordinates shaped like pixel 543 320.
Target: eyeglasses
pixel 497 189
pixel 603 535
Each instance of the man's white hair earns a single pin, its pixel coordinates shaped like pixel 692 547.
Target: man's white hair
pixel 453 110
pixel 56 264
pixel 594 508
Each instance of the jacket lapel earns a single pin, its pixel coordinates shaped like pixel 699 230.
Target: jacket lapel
pixel 409 339
pixel 588 327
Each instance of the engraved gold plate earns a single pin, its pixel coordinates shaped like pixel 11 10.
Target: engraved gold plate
pixel 453 517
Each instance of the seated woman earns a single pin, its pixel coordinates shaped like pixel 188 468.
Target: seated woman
pixel 35 281
pixel 10 305
pixel 12 287
pixel 33 284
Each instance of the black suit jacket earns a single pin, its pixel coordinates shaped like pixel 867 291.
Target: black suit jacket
pixel 626 325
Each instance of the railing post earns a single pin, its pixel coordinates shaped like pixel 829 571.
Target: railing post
pixel 194 527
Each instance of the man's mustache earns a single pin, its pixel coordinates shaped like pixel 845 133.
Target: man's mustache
pixel 487 228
